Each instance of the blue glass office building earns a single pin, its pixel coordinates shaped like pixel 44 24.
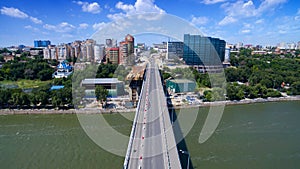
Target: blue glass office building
pixel 41 43
pixel 200 50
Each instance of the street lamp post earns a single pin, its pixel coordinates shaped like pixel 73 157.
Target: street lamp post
pixel 172 115
pixel 188 161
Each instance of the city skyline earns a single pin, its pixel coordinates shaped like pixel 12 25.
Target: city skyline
pixel 265 22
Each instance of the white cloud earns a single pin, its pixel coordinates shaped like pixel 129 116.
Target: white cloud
pixel 98 26
pixel 93 7
pixel 297 17
pixel 282 31
pixel 35 20
pixel 116 16
pixel 260 21
pixel 248 25
pixel 199 20
pixel 227 20
pixel 241 9
pixel 29 27
pixel 245 31
pixel 83 26
pixel 16 13
pixel 140 7
pixel 62 27
pixel 13 12
pixel 209 2
pixel 124 7
pixel 109 8
pixel 269 5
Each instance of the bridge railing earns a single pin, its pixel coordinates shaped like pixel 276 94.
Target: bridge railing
pixel 129 148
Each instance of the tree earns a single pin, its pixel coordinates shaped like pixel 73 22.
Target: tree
pixel 261 90
pixel 42 98
pixel 295 88
pixel 235 92
pixel 5 96
pixel 232 74
pixel 20 99
pixel 208 95
pixel 101 94
pixel 45 74
pixel 253 93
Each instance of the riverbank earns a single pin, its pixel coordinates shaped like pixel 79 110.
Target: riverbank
pixel 70 111
pixel 244 101
pixel 110 111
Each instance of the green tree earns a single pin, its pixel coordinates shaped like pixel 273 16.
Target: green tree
pixel 20 99
pixel 101 94
pixel 208 95
pixel 261 90
pixel 295 88
pixel 253 93
pixel 42 98
pixel 45 74
pixel 235 92
pixel 5 96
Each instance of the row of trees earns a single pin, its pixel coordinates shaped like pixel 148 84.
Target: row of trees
pixel 38 97
pixel 270 71
pixel 262 76
pixel 27 69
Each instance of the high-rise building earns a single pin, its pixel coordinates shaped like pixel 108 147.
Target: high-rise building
pixel 99 51
pixel 174 50
pixel 64 52
pixel 112 55
pixel 111 43
pixel 227 55
pixel 90 43
pixel 203 51
pixel 77 50
pixel 46 53
pixel 83 53
pixel 281 45
pixel 239 45
pixel 41 43
pixel 291 46
pixel 126 53
pixel 130 49
pixel 123 47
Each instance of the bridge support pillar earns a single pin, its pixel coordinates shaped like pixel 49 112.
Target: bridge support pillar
pixel 135 86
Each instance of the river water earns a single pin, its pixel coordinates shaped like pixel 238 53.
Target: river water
pixel 256 136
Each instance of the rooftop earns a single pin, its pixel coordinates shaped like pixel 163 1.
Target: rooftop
pixel 182 81
pixel 101 81
pixel 56 87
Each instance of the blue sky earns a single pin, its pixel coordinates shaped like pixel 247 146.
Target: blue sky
pixel 265 22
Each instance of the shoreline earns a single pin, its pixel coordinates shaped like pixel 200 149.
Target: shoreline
pixel 113 111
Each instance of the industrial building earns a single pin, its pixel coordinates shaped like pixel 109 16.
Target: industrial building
pixel 113 85
pixel 180 85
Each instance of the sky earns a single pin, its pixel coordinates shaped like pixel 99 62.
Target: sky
pixel 257 22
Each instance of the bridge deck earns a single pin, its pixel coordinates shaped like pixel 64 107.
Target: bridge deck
pixel 153 143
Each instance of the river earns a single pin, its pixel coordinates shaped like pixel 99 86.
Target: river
pixel 255 136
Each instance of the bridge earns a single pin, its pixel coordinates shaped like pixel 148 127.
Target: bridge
pixel 152 143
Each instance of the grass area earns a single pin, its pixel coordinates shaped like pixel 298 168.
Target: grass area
pixel 25 84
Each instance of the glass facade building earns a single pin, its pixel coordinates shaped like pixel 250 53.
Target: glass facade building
pixel 200 50
pixel 41 43
pixel 174 50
